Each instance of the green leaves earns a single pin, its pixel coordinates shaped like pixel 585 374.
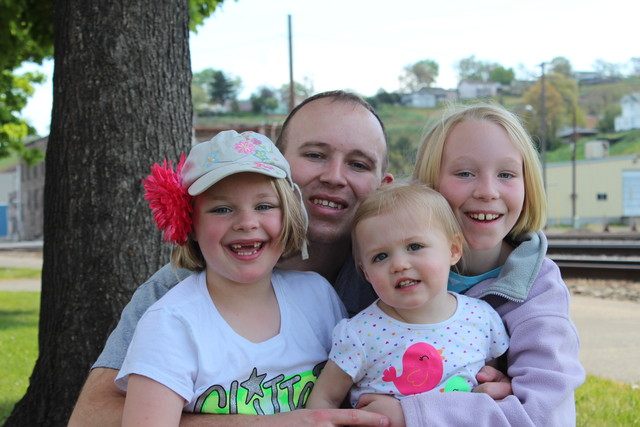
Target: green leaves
pixel 14 93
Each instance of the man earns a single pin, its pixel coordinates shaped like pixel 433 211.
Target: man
pixel 336 146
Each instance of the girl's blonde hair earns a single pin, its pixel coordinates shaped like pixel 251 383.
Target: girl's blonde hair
pixel 429 158
pixel 424 202
pixel 293 235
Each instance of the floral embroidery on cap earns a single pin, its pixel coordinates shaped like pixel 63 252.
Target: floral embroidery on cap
pixel 245 147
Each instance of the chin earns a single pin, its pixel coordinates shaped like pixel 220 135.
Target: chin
pixel 327 236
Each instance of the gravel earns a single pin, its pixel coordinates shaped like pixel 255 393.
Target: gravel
pixel 606 289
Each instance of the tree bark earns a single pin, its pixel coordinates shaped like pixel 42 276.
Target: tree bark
pixel 121 103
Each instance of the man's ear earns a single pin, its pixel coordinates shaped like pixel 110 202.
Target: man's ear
pixel 456 248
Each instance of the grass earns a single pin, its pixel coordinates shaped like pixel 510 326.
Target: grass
pixel 19 314
pixel 19 273
pixel 599 402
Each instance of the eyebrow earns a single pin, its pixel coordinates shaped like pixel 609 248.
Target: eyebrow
pixel 327 146
pixel 224 199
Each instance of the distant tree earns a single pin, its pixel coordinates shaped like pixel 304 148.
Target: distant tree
pixel 502 75
pixel 302 89
pixel 223 87
pixel 264 101
pixel 419 75
pixel 561 65
pixel 199 97
pixel 606 123
pixel 203 78
pixel 15 90
pixel 607 69
pixel 472 69
pixel 561 98
pixel 384 97
pixel 26 35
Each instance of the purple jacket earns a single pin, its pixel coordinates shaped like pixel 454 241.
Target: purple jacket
pixel 542 360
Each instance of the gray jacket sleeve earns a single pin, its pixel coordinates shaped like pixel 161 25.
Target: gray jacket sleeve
pixel 149 292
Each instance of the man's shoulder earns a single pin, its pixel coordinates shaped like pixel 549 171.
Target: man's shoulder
pixel 162 281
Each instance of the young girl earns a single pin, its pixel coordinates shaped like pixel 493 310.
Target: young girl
pixel 483 162
pixel 237 336
pixel 417 337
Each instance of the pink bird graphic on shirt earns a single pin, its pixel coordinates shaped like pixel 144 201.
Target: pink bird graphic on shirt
pixel 421 370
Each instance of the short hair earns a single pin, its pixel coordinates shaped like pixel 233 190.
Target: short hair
pixel 416 198
pixel 335 96
pixel 429 158
pixel 293 235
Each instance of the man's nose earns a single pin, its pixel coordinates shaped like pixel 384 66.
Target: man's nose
pixel 334 172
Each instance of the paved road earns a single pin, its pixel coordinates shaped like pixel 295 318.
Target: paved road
pixel 609 336
pixel 608 329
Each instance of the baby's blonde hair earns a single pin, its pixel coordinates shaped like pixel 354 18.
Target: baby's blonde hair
pixel 293 235
pixel 414 197
pixel 429 159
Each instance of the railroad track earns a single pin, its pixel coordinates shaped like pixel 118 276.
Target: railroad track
pixel 597 258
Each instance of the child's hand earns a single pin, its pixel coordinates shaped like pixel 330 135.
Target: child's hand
pixel 385 405
pixel 493 382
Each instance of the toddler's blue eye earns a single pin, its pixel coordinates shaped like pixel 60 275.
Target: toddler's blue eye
pixel 379 257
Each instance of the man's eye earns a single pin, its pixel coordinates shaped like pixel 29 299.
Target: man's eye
pixel 415 246
pixel 379 257
pixel 360 165
pixel 313 155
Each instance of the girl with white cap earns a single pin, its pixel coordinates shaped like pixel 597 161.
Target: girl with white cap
pixel 237 336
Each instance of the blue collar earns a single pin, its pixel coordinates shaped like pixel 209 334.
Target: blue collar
pixel 460 284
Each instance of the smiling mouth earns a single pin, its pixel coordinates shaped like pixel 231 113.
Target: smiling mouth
pixel 247 249
pixel 406 283
pixel 327 203
pixel 483 216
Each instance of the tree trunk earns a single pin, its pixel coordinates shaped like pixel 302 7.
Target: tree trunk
pixel 121 103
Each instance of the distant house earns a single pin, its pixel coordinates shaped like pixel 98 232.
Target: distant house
pixel 593 78
pixel 26 210
pixel 427 97
pixel 8 177
pixel 477 89
pixel 420 99
pixel 630 118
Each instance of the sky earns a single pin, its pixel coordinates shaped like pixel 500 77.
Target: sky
pixel 363 45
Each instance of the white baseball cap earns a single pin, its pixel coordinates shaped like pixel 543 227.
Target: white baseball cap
pixel 228 153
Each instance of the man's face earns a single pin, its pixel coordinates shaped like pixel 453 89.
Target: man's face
pixel 336 151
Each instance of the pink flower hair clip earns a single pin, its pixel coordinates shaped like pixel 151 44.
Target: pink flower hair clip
pixel 169 201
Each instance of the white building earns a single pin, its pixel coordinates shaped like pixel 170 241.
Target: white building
pixel 630 118
pixel 477 89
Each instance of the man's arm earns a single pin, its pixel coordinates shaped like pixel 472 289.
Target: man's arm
pixel 101 403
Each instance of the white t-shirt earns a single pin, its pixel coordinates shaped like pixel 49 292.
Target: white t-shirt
pixel 184 343
pixel 383 355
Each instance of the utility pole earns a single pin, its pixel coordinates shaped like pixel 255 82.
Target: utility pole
pixel 574 146
pixel 543 128
pixel 291 85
